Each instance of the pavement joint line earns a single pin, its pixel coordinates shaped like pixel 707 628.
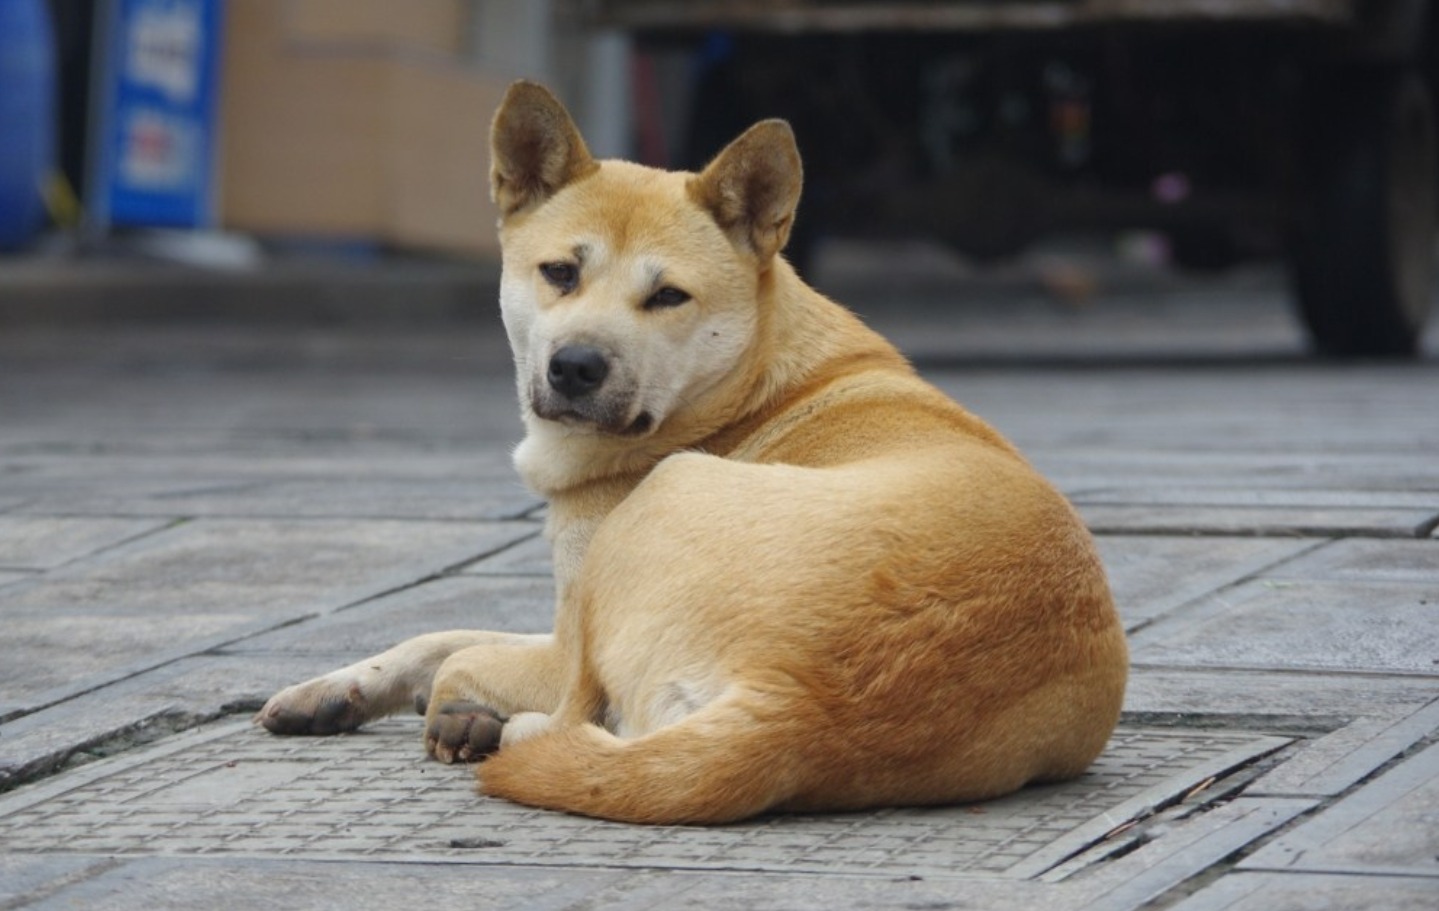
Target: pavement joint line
pixel 221 641
pixel 459 568
pixel 1216 837
pixel 1255 572
pixel 159 529
pixel 1400 776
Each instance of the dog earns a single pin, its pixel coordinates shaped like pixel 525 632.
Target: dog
pixel 791 574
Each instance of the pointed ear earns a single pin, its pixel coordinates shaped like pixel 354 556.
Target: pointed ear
pixel 535 149
pixel 752 187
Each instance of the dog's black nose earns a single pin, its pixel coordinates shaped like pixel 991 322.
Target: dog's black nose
pixel 576 371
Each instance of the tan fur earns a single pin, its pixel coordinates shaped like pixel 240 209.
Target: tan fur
pixel 791 574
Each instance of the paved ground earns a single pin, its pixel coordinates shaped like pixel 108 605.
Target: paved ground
pixel 194 512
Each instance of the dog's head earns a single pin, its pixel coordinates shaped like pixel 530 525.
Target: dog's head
pixel 631 295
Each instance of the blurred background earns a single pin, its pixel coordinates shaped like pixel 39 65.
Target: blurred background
pixel 1065 147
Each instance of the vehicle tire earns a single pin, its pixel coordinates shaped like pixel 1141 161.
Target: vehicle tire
pixel 1363 244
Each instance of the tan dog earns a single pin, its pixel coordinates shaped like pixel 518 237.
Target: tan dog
pixel 791 574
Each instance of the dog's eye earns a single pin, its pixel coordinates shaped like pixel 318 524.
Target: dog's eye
pixel 666 297
pixel 564 276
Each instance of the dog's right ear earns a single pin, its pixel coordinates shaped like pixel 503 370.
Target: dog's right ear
pixel 535 149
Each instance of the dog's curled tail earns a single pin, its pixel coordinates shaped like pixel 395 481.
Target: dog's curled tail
pixel 717 765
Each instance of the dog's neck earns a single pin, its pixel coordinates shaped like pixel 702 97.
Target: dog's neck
pixel 803 341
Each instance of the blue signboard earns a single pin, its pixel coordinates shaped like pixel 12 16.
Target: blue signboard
pixel 154 130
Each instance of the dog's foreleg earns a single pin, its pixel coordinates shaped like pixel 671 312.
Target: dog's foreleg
pixel 390 682
pixel 479 688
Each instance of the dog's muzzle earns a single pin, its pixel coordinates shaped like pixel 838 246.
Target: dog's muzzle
pixel 573 392
pixel 576 371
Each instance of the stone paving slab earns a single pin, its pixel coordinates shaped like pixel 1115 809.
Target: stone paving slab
pixel 46 542
pixel 1360 627
pixel 528 558
pixel 1388 827
pixel 508 604
pixel 196 586
pixel 1182 847
pixel 1153 574
pixel 150 704
pixel 1360 560
pixel 317 487
pixel 1382 522
pixel 1313 892
pixel 1080 469
pixel 1422 500
pixel 236 790
pixel 1233 693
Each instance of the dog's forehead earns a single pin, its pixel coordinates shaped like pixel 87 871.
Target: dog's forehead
pixel 625 211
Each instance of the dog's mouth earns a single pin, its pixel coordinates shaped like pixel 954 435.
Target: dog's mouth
pixel 619 426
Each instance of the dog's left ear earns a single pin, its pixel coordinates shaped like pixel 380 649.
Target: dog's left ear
pixel 752 187
pixel 535 149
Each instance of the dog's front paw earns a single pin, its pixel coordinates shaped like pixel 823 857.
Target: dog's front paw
pixel 319 707
pixel 462 732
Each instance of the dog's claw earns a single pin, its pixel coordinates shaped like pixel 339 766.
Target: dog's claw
pixel 463 732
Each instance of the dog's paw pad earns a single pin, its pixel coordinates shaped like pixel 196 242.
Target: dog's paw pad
pixel 463 732
pixel 307 709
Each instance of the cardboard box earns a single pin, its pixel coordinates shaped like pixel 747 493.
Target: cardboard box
pixel 435 25
pixel 365 141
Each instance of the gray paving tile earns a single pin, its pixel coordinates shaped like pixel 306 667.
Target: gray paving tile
pixel 243 783
pixel 1360 560
pixel 510 604
pixel 347 484
pixel 45 542
pixel 28 877
pixel 241 884
pixel 1335 762
pixel 1085 468
pixel 528 558
pixel 1263 496
pixel 1151 574
pixel 196 586
pixel 1387 522
pixel 1387 826
pixel 1313 892
pixel 1362 627
pixel 1224 691
pixel 1184 848
pixel 148 705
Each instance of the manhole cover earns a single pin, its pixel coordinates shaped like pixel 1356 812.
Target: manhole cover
pixel 237 791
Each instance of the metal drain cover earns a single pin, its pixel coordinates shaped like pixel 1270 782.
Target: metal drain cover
pixel 234 790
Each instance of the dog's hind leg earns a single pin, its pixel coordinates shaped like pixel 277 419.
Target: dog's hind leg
pixel 385 684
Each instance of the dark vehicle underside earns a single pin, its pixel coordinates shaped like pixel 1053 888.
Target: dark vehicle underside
pixel 1239 128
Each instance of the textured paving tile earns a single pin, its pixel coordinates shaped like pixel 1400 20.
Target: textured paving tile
pixel 197 585
pixel 43 542
pixel 1388 826
pixel 236 790
pixel 1151 574
pixel 241 884
pixel 1313 892
pixel 1361 627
